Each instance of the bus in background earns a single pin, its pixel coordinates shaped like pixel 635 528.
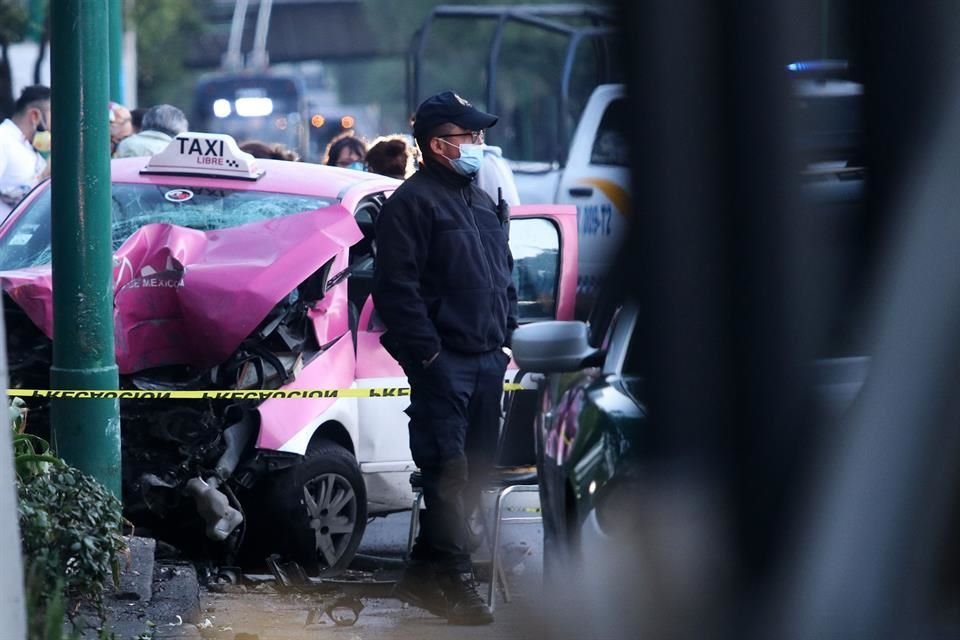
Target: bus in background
pixel 275 107
pixel 254 106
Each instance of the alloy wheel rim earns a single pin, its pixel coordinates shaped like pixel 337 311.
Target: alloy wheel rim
pixel 331 505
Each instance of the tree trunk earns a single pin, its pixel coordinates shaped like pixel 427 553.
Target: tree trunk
pixel 41 51
pixel 7 99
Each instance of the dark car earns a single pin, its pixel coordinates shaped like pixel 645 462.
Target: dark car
pixel 592 427
pixel 590 424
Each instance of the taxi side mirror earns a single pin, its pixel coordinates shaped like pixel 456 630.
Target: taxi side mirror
pixel 554 347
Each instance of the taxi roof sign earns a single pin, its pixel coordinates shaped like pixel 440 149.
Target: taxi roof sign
pixel 204 154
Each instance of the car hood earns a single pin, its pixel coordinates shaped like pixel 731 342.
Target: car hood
pixel 183 296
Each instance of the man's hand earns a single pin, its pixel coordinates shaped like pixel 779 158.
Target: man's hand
pixel 429 361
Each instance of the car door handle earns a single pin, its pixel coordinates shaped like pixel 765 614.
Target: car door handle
pixel 581 192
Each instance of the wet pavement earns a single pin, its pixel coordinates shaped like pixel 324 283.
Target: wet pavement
pixel 258 610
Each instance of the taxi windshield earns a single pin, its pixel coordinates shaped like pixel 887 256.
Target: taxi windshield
pixel 27 242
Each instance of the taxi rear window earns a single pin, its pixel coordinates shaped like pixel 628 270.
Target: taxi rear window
pixel 27 242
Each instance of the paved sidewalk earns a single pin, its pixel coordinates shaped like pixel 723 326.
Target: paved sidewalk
pixel 262 613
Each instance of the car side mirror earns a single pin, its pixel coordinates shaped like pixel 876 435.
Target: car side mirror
pixel 554 347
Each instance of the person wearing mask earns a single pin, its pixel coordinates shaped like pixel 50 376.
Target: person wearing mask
pixel 347 151
pixel 443 289
pixel 24 141
pixel 161 124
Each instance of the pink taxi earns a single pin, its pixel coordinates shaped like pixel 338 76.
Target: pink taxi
pixel 243 274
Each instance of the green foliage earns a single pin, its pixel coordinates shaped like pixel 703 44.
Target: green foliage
pixel 13 21
pixel 166 29
pixel 70 528
pixel 45 611
pixel 71 531
pixel 31 454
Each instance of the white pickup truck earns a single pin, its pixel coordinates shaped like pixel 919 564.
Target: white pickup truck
pixel 594 175
pixel 595 178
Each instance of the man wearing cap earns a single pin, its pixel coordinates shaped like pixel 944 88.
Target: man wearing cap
pixel 443 287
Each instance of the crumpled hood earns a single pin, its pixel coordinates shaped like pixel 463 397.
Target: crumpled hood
pixel 183 296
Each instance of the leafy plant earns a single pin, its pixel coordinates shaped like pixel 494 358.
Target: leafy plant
pixel 31 454
pixel 45 612
pixel 71 531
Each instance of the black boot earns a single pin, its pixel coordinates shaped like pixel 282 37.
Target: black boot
pixel 419 587
pixel 464 604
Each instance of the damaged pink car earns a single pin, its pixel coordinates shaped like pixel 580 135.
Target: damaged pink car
pixel 235 273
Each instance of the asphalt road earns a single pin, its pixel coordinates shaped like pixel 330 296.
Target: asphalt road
pixel 263 613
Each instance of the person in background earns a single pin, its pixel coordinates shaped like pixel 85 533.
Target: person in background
pixel 24 139
pixel 161 124
pixel 390 156
pixel 136 118
pixel 347 151
pixel 121 125
pixel 274 151
pixel 443 288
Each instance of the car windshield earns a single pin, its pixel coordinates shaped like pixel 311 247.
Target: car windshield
pixel 27 242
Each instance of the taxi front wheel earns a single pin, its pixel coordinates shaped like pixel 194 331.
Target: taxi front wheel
pixel 323 504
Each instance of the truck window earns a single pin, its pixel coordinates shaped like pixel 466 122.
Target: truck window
pixel 610 144
pixel 535 244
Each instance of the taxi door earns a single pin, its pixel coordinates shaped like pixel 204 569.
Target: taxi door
pixel 543 239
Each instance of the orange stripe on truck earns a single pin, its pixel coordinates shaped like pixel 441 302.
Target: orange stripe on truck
pixel 614 192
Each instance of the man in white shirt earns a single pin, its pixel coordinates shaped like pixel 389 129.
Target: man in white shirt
pixel 21 165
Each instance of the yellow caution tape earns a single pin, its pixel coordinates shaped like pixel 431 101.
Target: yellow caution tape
pixel 219 394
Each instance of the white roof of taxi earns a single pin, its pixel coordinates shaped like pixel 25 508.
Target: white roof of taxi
pixel 279 176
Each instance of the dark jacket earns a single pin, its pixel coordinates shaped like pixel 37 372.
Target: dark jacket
pixel 443 268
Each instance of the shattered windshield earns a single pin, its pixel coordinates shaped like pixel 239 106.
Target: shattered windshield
pixel 27 242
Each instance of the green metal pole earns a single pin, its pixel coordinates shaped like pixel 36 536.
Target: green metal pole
pixel 116 50
pixel 86 432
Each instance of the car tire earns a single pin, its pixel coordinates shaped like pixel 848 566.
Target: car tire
pixel 322 503
pixel 561 543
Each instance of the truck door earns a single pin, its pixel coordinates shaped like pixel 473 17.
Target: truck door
pixel 596 180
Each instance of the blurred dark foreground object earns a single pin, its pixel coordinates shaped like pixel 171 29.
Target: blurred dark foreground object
pixel 762 517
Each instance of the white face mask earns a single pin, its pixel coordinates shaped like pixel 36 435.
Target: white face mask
pixel 471 157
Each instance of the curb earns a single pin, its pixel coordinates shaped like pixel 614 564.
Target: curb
pixel 160 598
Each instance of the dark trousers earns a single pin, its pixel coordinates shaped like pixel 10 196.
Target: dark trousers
pixel 454 424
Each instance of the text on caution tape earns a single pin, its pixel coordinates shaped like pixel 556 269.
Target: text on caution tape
pixel 221 394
